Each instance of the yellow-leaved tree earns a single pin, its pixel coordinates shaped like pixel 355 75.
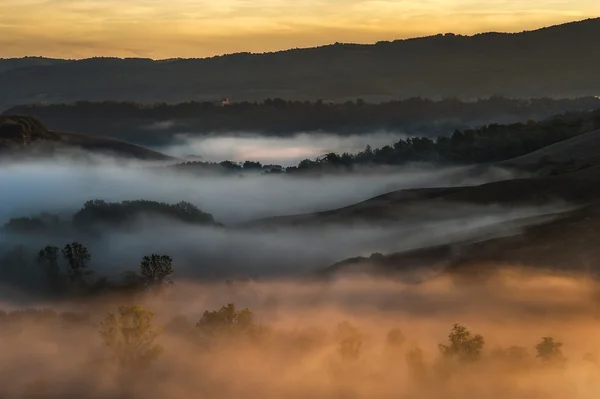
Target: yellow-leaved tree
pixel 130 335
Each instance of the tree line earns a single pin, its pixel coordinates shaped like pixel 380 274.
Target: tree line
pixel 100 213
pixel 489 143
pixel 75 276
pixel 132 337
pixel 19 269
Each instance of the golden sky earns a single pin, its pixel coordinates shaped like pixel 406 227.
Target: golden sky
pixel 200 28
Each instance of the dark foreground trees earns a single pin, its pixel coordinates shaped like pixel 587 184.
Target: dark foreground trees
pixel 156 270
pixel 78 258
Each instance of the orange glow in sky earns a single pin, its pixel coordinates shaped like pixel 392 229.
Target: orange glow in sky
pixel 200 28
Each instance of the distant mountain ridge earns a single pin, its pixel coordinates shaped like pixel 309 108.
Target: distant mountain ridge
pixel 557 61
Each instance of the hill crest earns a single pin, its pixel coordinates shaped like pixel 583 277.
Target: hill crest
pixel 543 62
pixel 588 22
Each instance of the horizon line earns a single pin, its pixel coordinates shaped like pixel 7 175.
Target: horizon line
pixel 578 21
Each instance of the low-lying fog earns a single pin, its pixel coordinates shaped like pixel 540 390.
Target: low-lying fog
pixel 539 331
pixel 298 347
pixel 62 187
pixel 210 252
pixel 286 151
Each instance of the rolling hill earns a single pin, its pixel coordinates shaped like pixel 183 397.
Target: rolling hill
pixel 27 135
pixel 567 243
pixel 110 146
pixel 565 239
pixel 580 188
pixel 159 124
pixel 582 149
pixel 558 61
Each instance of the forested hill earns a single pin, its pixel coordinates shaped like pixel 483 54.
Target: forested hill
pixel 557 61
pixel 492 143
pixel 157 124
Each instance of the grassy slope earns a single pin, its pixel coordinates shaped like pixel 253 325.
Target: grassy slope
pixel 583 148
pixel 582 187
pixel 568 242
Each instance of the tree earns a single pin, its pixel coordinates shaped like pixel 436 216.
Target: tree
pixel 349 341
pixel 250 165
pixel 77 257
pixel 227 322
pixel 130 335
pixel 48 261
pixel 462 346
pixel 549 351
pixel 156 269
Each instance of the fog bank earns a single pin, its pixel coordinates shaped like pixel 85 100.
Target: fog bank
pixel 60 186
pixel 286 151
pixel 301 349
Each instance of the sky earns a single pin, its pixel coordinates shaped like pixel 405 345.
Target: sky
pixel 200 28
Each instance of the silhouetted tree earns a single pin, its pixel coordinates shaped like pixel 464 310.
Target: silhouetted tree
pixel 463 345
pixel 549 351
pixel 156 269
pixel 77 257
pixel 249 165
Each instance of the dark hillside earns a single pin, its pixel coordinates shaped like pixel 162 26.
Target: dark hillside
pixel 557 61
pixel 27 135
pixel 157 124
